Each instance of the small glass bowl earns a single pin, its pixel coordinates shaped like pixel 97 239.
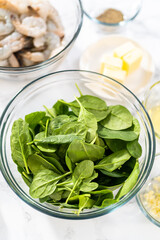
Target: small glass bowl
pixel 129 9
pixel 152 105
pixel 61 85
pixel 71 14
pixel 149 186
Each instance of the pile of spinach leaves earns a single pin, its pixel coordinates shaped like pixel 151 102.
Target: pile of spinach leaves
pixel 76 154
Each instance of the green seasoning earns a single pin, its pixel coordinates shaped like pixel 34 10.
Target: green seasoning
pixel 75 154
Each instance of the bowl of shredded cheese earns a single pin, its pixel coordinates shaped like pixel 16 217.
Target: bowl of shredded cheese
pixel 148 198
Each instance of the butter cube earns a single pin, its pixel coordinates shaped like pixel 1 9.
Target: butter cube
pixel 124 49
pixel 132 60
pixel 102 67
pixel 111 63
pixel 117 74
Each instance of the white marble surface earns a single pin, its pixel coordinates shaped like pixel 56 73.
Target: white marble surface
pixel 19 221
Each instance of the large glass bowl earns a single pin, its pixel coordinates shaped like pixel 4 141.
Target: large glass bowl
pixel 61 85
pixel 71 15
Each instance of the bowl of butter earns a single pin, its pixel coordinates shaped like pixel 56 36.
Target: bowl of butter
pixel 122 59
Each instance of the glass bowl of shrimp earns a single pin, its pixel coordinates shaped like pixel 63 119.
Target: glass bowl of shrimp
pixel 35 35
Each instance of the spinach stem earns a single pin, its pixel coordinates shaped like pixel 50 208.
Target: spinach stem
pixel 71 191
pixel 79 90
pixel 49 112
pixel 26 176
pixel 46 130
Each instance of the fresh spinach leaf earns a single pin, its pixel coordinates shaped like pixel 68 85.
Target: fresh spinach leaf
pixel 136 126
pixel 55 161
pixel 34 118
pixel 113 161
pixel 125 135
pixel 99 141
pixel 69 163
pixel 92 104
pixel 79 151
pixel 59 121
pixel 134 148
pixel 88 186
pixel 37 163
pixel 115 144
pixel 130 182
pixel 44 183
pixel 118 119
pixel 56 196
pixel 76 128
pixel 84 202
pixel 107 202
pixel 90 122
pixel 44 147
pixel 19 138
pixel 28 178
pixel 50 112
pixel 115 173
pixel 83 170
pixel 60 108
pixel 61 151
pixel 58 139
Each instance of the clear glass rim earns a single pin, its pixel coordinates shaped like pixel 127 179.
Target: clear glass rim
pixel 98 212
pixel 122 23
pixel 49 61
pixel 148 92
pixel 145 212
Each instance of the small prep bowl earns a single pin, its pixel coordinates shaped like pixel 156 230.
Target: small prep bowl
pixel 129 9
pixel 152 100
pixel 147 187
pixel 61 85
pixel 71 15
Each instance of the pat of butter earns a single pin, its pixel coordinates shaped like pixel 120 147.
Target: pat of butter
pixel 111 62
pixel 132 60
pixel 117 74
pixel 124 49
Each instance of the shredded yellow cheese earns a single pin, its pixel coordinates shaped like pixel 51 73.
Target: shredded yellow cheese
pixel 152 199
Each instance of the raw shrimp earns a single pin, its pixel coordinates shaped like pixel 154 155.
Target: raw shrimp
pixel 17 6
pixel 4 63
pixel 39 42
pixel 45 10
pixel 13 61
pixel 16 41
pixel 30 26
pixel 11 38
pixel 6 26
pixel 5 52
pixel 20 44
pixel 51 41
pixel 54 16
pixel 40 7
pixel 33 56
pixel 51 27
pixel 26 62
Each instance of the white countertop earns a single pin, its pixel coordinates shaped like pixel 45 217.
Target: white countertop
pixel 18 221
